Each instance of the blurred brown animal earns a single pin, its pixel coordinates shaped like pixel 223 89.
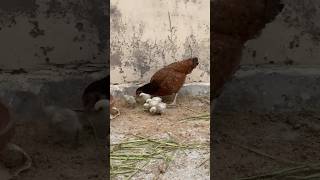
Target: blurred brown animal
pixel 7 130
pixel 233 23
pixel 94 92
pixel 169 79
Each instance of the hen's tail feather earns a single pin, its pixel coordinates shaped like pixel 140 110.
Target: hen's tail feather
pixel 150 88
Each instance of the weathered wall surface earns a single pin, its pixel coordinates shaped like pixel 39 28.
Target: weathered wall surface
pixel 146 35
pixel 43 32
pixel 273 86
pixel 293 38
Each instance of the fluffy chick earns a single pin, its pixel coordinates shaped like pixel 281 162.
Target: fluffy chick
pixel 157 99
pixel 130 100
pixel 153 110
pixel 161 107
pixel 142 98
pixel 99 118
pixel 145 96
pixel 146 106
pixel 154 101
pixel 158 109
pixel 64 121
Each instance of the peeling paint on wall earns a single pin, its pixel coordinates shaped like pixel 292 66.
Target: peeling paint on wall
pixel 147 35
pixel 293 38
pixel 40 32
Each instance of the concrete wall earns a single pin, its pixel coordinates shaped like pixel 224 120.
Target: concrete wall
pixel 293 38
pixel 148 34
pixel 53 48
pixel 288 55
pixel 43 32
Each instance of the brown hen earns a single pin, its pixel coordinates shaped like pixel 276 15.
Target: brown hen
pixel 169 79
pixel 233 23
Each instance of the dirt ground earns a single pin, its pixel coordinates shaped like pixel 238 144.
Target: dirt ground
pixel 286 137
pixel 185 165
pixel 57 160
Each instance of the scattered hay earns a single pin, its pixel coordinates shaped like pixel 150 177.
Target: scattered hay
pixel 131 156
pixel 205 116
pixel 302 172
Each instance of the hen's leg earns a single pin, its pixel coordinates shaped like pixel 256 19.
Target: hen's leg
pixel 174 101
pixel 28 162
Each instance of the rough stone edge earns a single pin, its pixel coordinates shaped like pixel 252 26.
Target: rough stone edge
pixel 289 89
pixel 190 89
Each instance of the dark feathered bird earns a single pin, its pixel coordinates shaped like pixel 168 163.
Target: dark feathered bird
pixel 95 91
pixel 169 79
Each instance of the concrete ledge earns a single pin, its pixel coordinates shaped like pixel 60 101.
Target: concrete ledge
pixel 55 87
pixel 190 89
pixel 272 89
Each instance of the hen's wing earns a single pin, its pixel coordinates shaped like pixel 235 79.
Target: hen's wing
pixel 168 81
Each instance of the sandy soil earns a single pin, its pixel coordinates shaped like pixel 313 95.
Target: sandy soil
pixel 58 160
pixel 185 165
pixel 287 137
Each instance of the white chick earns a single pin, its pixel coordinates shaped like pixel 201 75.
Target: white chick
pixel 153 110
pixel 158 109
pixel 153 103
pixel 143 97
pixel 146 106
pixel 64 121
pixel 130 100
pixel 99 118
pixel 161 107
pixel 148 100
pixel 157 99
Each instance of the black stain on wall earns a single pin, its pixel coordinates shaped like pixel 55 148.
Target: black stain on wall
pixel 93 11
pixel 55 8
pixel 20 6
pixel 79 26
pixel 36 31
pixel 46 49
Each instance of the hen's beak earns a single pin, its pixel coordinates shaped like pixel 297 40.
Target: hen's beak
pixel 195 61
